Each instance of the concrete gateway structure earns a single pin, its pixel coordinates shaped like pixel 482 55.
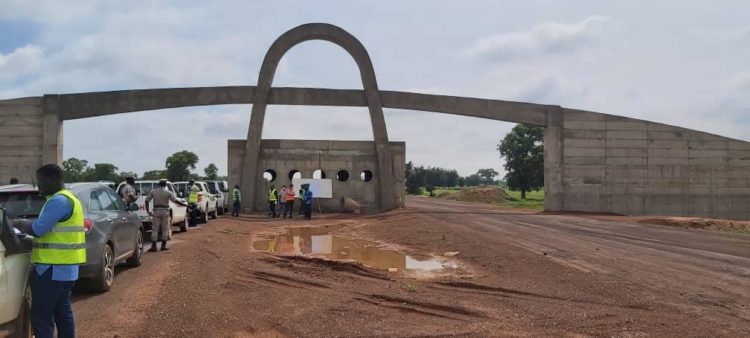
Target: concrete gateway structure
pixel 593 162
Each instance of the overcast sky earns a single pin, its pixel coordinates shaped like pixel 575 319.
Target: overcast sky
pixel 678 62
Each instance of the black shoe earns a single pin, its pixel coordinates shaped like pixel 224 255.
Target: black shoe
pixel 164 246
pixel 153 247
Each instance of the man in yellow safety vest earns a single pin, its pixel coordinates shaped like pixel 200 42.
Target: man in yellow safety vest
pixel 59 248
pixel 272 198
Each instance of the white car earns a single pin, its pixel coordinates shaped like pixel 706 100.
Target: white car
pixel 208 204
pixel 15 308
pixel 218 188
pixel 177 212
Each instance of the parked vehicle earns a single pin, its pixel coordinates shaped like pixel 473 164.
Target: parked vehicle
pixel 177 212
pixel 113 235
pixel 218 188
pixel 15 254
pixel 207 204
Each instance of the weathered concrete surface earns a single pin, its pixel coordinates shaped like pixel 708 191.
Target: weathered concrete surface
pixel 633 167
pixel 24 140
pixel 305 156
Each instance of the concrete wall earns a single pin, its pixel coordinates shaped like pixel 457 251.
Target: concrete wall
pixel 634 167
pixel 283 156
pixel 28 138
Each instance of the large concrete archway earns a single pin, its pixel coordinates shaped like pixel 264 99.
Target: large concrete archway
pixel 340 37
pixel 593 162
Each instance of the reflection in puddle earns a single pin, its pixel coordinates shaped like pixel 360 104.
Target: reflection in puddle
pixel 318 242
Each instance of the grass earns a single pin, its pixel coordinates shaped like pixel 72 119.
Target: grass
pixel 410 287
pixel 534 199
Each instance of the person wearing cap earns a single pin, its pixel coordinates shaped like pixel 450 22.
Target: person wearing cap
pixel 128 191
pixel 161 222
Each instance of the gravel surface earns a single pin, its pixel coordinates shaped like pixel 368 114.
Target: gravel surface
pixel 519 274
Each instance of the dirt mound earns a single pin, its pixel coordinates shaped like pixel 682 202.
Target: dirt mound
pixel 490 195
pixel 700 223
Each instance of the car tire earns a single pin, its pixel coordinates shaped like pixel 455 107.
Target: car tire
pixel 215 214
pixel 204 216
pixel 137 258
pixel 184 224
pixel 22 326
pixel 106 274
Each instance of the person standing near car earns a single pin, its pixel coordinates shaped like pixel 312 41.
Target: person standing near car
pixel 192 191
pixel 282 200
pixel 58 250
pixel 236 199
pixel 272 198
pixel 128 191
pixel 161 222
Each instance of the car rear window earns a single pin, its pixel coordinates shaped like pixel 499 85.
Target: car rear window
pixel 212 187
pixel 22 204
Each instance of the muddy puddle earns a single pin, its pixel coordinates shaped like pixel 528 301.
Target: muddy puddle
pixel 319 242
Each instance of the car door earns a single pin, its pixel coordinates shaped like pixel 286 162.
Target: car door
pixel 106 217
pixel 124 230
pixel 178 211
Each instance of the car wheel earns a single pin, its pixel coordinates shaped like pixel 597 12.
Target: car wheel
pixel 214 214
pixel 220 209
pixel 23 322
pixel 204 216
pixel 106 275
pixel 137 258
pixel 184 224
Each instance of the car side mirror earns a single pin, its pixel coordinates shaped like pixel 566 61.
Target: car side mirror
pixel 134 207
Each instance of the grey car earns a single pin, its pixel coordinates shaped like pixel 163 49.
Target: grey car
pixel 113 234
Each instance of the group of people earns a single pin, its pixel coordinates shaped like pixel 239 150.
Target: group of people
pixel 286 199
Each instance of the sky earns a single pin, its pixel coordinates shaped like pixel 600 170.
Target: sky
pixel 681 62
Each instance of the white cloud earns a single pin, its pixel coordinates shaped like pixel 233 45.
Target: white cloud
pixel 20 62
pixel 543 39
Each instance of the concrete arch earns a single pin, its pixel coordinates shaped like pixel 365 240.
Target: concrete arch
pixel 340 37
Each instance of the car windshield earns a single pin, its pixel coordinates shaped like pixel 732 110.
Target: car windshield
pixel 222 186
pixel 27 204
pixel 212 187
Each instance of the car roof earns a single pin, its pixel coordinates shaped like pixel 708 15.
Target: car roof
pixel 71 186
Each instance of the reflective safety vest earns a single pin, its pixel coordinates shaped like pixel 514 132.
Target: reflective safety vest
pixel 65 243
pixel 236 195
pixel 193 197
pixel 272 195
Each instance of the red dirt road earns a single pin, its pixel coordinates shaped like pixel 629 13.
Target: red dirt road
pixel 519 274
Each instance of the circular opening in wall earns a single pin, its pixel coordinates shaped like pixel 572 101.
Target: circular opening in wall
pixel 366 175
pixel 318 174
pixel 294 174
pixel 342 175
pixel 269 175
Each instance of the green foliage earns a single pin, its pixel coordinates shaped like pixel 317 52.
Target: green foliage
pixel 411 287
pixel 102 172
pixel 533 200
pixel 74 169
pixel 154 174
pixel 180 164
pixel 523 151
pixel 212 172
pixel 418 177
pixel 430 189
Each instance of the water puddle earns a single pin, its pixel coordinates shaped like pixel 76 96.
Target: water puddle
pixel 318 242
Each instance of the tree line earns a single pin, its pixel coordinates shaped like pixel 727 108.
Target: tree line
pixel 419 177
pixel 523 151
pixel 178 167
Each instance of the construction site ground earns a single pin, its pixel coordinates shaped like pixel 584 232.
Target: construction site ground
pixel 510 272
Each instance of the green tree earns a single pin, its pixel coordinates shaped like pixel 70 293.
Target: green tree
pixel 154 174
pixel 74 169
pixel 102 172
pixel 212 172
pixel 523 150
pixel 487 175
pixel 179 165
pixel 416 180
pixel 473 180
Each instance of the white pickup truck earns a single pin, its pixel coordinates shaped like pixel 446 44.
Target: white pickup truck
pixel 177 213
pixel 219 189
pixel 15 308
pixel 208 204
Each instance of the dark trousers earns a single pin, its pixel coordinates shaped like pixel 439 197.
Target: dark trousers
pixel 301 207
pixel 51 306
pixel 236 209
pixel 272 206
pixel 289 208
pixel 308 211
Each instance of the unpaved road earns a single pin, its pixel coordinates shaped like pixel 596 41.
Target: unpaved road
pixel 519 274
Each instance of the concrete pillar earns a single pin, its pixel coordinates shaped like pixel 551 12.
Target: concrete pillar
pixel 553 161
pixel 52 141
